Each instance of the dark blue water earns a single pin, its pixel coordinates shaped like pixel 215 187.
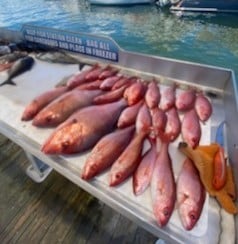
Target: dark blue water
pixel 210 39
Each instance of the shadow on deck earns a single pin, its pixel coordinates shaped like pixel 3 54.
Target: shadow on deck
pixel 55 211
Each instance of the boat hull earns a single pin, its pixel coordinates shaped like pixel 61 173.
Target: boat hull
pixel 228 6
pixel 119 2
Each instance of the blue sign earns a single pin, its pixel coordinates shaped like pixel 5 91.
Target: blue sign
pixel 100 47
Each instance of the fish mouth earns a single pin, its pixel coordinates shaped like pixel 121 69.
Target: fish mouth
pixel 190 220
pixel 162 215
pixel 89 172
pixel 182 145
pixel 115 179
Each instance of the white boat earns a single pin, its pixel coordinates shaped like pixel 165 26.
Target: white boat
pixel 120 2
pixel 205 6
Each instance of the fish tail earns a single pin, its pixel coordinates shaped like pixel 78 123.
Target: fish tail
pixel 8 82
pixel 81 65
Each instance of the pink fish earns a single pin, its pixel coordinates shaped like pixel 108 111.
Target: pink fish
pixel 93 85
pixel 190 195
pixel 152 95
pixel 109 82
pixel 203 107
pixel 127 162
pixel 173 125
pixel 159 120
pixel 41 101
pixel 106 151
pixel 135 93
pixel 167 99
pixel 79 78
pixel 163 189
pixel 123 81
pixel 143 174
pixel 185 100
pixel 110 96
pixel 61 108
pixel 107 72
pixel 143 120
pixel 82 130
pixel 191 129
pixel 128 115
pixel 94 74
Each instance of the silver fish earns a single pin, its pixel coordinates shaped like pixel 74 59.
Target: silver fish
pixel 57 57
pixel 20 66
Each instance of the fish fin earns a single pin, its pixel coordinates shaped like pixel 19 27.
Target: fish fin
pixel 166 138
pixel 81 65
pixel 8 82
pixel 227 203
pixel 211 149
pixel 230 187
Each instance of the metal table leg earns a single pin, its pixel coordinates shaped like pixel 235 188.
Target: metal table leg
pixel 38 170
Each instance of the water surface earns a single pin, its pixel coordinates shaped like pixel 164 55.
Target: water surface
pixel 210 39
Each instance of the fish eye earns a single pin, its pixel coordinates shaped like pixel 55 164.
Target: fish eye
pixel 49 118
pixel 118 176
pixel 74 121
pixel 166 211
pixel 65 144
pixel 192 216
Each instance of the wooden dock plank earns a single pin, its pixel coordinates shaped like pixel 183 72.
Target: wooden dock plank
pixel 89 215
pixel 52 203
pixel 103 229
pixel 55 211
pixel 28 210
pixel 63 221
pixel 124 226
pixel 142 236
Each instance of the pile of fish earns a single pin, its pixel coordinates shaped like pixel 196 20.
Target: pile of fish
pixel 15 59
pixel 115 115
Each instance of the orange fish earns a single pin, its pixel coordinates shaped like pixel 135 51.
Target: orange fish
pixel 220 166
pixel 203 158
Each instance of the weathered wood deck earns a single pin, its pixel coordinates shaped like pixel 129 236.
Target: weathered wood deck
pixel 55 211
